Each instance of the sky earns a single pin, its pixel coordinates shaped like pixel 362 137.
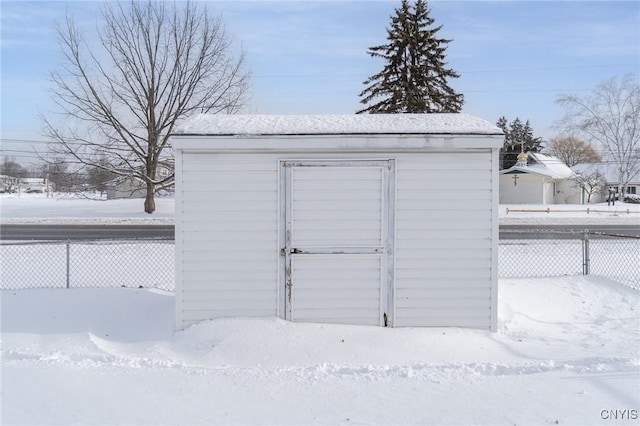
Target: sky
pixel 310 57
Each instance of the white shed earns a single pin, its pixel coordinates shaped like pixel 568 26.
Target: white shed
pixel 387 220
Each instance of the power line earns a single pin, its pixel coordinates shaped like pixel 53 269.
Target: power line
pixel 34 141
pixel 24 140
pixel 22 151
pixel 496 70
pixel 567 67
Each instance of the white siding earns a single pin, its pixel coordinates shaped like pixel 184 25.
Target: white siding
pixel 228 209
pixel 444 222
pixel 528 189
pixel 227 232
pixel 337 206
pixel 342 289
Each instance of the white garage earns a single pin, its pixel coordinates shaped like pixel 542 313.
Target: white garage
pixel 388 220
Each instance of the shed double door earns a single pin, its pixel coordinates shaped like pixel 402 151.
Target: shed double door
pixel 337 254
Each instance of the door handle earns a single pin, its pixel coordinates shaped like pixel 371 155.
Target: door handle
pixel 285 250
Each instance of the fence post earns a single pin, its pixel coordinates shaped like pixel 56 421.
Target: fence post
pixel 68 261
pixel 585 253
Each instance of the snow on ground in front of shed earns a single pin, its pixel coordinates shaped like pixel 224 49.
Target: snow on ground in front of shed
pixel 70 209
pixel 217 124
pixel 566 349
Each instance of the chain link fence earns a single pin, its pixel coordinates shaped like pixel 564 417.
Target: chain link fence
pixel 542 253
pixel 149 263
pixel 139 263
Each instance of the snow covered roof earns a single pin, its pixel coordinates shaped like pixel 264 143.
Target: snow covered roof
pixel 542 164
pixel 33 180
pixel 218 125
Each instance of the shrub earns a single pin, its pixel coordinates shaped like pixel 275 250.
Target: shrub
pixel 632 198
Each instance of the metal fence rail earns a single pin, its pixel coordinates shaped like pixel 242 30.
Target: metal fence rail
pixel 149 263
pixel 613 256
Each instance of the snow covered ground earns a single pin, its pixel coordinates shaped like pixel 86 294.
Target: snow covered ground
pixel 601 213
pixel 69 208
pixel 73 208
pixel 567 351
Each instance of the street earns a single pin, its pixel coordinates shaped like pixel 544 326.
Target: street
pixel 83 232
pixel 31 232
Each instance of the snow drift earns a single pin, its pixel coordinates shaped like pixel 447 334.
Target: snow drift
pixel 566 351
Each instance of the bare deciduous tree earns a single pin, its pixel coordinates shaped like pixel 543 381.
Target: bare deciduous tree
pixel 609 117
pixel 591 182
pixel 155 63
pixel 572 150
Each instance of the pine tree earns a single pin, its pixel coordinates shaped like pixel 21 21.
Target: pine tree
pixel 515 134
pixel 414 78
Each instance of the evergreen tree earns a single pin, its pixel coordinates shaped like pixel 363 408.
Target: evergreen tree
pixel 515 134
pixel 414 78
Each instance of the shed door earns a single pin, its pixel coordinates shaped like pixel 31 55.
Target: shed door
pixel 337 253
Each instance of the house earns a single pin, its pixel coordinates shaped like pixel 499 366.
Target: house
pixel 387 220
pixel 538 179
pixel 128 186
pixel 125 187
pixel 610 175
pixel 35 185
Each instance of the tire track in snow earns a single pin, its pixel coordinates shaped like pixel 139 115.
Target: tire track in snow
pixel 424 371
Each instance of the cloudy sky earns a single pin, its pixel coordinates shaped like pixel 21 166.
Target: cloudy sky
pixel 310 57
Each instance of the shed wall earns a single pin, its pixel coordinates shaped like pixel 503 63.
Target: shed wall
pixel 444 240
pixel 226 228
pixel 227 232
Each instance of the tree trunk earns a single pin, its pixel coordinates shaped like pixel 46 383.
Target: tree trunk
pixel 149 201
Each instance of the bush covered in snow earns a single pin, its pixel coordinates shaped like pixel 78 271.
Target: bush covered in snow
pixel 632 198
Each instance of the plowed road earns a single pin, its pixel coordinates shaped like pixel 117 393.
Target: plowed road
pixel 83 232
pixel 89 232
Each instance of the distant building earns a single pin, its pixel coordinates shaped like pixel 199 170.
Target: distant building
pixel 132 187
pixel 35 185
pixel 538 179
pixel 125 187
pixel 610 174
